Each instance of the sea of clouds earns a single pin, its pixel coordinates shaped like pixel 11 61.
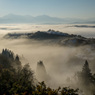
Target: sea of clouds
pixel 87 31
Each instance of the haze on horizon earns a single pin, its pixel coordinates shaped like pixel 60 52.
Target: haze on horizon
pixel 56 8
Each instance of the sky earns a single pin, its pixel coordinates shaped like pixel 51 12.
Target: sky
pixel 54 8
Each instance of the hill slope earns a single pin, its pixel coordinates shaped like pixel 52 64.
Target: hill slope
pixel 54 37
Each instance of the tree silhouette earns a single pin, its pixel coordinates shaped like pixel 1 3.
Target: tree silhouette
pixel 86 79
pixel 85 76
pixel 86 70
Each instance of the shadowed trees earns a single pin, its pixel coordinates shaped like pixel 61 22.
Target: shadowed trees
pixel 86 80
pixel 16 79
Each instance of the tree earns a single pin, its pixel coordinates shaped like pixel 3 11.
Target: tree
pixel 41 72
pixel 85 76
pixel 17 58
pixel 86 80
pixel 86 72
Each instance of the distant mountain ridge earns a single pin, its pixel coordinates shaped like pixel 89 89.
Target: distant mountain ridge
pixel 54 37
pixel 42 19
pixel 50 34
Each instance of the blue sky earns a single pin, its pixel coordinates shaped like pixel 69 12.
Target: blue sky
pixel 55 8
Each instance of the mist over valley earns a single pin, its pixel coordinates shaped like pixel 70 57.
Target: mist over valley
pixel 61 50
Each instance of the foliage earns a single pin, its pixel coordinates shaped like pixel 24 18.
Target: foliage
pixel 16 79
pixel 42 89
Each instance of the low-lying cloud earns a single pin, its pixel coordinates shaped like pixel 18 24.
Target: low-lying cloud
pixel 60 62
pixel 84 30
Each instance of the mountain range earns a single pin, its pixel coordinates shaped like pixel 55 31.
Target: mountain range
pixel 43 19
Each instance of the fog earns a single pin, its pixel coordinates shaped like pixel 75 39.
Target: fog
pixel 60 62
pixel 84 30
